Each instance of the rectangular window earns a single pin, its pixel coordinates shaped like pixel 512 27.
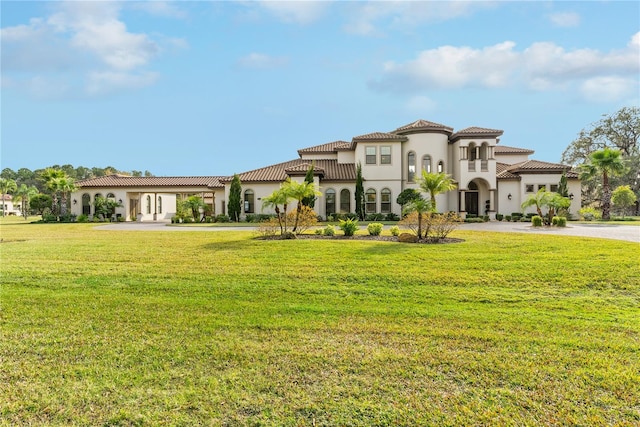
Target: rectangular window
pixel 385 155
pixel 385 202
pixel 529 188
pixel 370 155
pixel 542 187
pixel 370 202
pixel 553 188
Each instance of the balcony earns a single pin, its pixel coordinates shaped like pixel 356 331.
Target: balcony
pixel 473 165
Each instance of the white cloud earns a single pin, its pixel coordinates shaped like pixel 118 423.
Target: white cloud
pixel 609 88
pixel 565 19
pixel 541 66
pixel 260 60
pixel 168 9
pixel 81 39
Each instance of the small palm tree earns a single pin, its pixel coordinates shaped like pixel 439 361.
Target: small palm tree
pixel 539 200
pixel 65 185
pixel 195 203
pixel 606 162
pixel 434 184
pixel 24 193
pixel 422 207
pixel 52 182
pixel 279 197
pixel 299 192
pixel 6 186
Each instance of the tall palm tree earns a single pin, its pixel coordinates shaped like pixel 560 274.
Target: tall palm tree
pixel 24 193
pixel 52 179
pixel 300 191
pixel 6 186
pixel 606 162
pixel 66 185
pixel 435 183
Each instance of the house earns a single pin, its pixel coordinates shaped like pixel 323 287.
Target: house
pixel 8 207
pixel 491 178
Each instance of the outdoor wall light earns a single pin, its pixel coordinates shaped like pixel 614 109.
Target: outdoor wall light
pixel 75 202
pixel 571 196
pixel 120 201
pixel 509 196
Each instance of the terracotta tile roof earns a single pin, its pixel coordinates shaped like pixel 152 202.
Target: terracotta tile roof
pixel 533 166
pixel 475 131
pixel 502 172
pixel 329 147
pixel 117 180
pixel 423 125
pixel 504 149
pixel 333 171
pixel 302 169
pixel 380 136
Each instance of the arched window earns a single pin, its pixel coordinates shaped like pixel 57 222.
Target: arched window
pixel 426 164
pixel 385 200
pixel 472 186
pixel 411 164
pixel 484 151
pixel 473 151
pixel 440 166
pixel 148 204
pixel 330 201
pixel 86 204
pixel 370 201
pixel 248 201
pixel 111 196
pixel 345 201
pixel 159 204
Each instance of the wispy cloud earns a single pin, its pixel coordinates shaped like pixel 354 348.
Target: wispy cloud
pixel 262 61
pixel 565 19
pixel 541 66
pixel 300 12
pixel 86 39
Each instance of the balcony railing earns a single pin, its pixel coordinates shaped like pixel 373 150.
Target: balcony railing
pixel 484 165
pixel 472 165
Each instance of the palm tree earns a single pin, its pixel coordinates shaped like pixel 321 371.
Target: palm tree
pixel 606 162
pixel 6 186
pixel 422 207
pixel 195 203
pixel 24 193
pixel 65 185
pixel 52 179
pixel 540 199
pixel 275 200
pixel 299 192
pixel 435 183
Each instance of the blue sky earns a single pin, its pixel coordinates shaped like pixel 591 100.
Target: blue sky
pixel 215 88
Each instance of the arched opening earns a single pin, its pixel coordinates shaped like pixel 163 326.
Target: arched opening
pixel 249 205
pixel 86 204
pixel 148 204
pixel 385 200
pixel 370 201
pixel 330 201
pixel 160 204
pixel 345 201
pixel 426 164
pixel 440 166
pixel 411 166
pixel 471 199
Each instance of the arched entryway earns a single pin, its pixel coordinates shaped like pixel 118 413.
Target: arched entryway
pixel 478 198
pixel 471 199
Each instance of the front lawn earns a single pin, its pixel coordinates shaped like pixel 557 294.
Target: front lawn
pixel 146 328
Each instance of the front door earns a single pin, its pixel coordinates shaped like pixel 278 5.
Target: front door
pixel 471 202
pixel 133 208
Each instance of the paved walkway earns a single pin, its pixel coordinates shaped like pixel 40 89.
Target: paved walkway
pixel 629 233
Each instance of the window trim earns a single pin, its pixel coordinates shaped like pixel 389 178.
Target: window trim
pixel 332 192
pixel 370 159
pixel 411 164
pixel 367 203
pixel 348 201
pixel 385 207
pixel 385 159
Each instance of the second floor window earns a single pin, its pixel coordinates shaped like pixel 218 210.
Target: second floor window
pixel 385 155
pixel 370 158
pixel 411 162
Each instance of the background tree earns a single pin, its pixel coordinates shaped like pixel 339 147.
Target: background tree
pixel 235 199
pixel 621 131
pixel 563 186
pixel 605 163
pixel 24 194
pixel 407 196
pixel 435 183
pixel 52 179
pixel 308 178
pixel 6 186
pixel 359 193
pixel 623 198
pixel 66 185
pixel 195 203
pixel 40 202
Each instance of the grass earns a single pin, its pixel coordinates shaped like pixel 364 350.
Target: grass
pixel 145 328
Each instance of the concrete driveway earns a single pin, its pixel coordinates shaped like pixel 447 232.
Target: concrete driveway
pixel 630 233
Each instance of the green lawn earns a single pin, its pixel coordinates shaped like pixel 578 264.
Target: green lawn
pixel 186 328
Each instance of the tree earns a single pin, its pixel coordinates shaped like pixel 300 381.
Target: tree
pixel 623 198
pixel 66 185
pixel 435 183
pixel 300 191
pixel 308 178
pixel 235 196
pixel 40 202
pixel 422 207
pixel 407 196
pixel 51 178
pixel 551 200
pixel 24 193
pixel 279 197
pixel 359 194
pixel 563 187
pixel 7 185
pixel 195 203
pixel 605 163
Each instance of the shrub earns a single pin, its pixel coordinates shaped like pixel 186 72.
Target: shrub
pixel 374 228
pixel 516 215
pixel 374 217
pixel 392 217
pixel 554 220
pixel 410 221
pixel 83 218
pixel 307 219
pixel 442 225
pixel 251 218
pixel 562 221
pixel 394 230
pixel 408 238
pixel 222 218
pixel 473 220
pixel 507 217
pixel 318 231
pixel 268 228
pixel 536 221
pixel 329 230
pixel 499 217
pixel 589 214
pixel 349 226
pixel 485 218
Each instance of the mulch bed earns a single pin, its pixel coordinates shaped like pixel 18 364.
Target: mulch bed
pixel 365 237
